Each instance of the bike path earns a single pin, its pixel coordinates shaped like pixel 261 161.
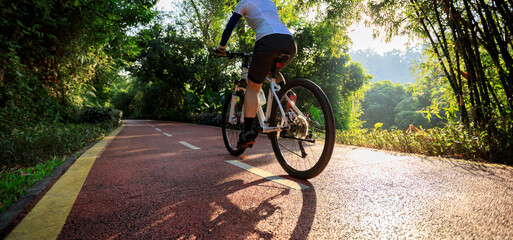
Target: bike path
pixel 159 180
pixel 148 184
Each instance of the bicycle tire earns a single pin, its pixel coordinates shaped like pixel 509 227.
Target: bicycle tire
pixel 315 132
pixel 231 130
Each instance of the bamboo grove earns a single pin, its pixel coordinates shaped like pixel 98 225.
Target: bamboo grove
pixel 472 43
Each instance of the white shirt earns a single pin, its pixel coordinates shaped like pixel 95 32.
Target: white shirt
pixel 262 16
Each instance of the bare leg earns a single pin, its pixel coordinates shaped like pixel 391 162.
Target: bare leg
pixel 251 99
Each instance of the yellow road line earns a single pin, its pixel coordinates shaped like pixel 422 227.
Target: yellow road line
pixel 269 176
pixel 47 218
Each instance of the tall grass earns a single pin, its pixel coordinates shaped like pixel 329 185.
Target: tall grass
pixel 15 182
pixel 450 141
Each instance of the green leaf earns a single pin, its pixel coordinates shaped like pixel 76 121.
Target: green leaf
pixel 315 114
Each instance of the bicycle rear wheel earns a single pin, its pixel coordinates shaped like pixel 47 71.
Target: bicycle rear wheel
pixel 304 149
pixel 231 130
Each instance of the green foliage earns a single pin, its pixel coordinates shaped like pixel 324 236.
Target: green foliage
pixel 26 102
pixel 171 76
pixel 15 182
pixel 29 154
pixel 212 119
pixel 332 70
pixel 449 141
pixel 397 106
pixel 470 49
pixel 100 115
pixel 320 31
pixel 56 56
pixel 379 103
pixel 175 73
pixel 65 43
pixel 28 146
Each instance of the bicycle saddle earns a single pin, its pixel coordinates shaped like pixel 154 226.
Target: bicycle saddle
pixel 281 57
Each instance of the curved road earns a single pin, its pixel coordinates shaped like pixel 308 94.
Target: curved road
pixel 166 180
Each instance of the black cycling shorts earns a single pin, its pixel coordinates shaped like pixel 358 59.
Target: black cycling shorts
pixel 264 52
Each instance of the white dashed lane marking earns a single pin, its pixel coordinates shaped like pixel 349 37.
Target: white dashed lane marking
pixel 158 129
pixel 190 145
pixel 167 134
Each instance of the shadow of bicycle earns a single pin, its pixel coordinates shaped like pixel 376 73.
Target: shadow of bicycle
pixel 234 210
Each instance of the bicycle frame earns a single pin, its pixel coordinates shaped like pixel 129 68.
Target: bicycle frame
pixel 274 88
pixel 302 140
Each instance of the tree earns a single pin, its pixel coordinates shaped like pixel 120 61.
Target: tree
pixel 331 70
pixel 320 28
pixel 380 103
pixel 52 53
pixel 167 62
pixel 398 106
pixel 471 40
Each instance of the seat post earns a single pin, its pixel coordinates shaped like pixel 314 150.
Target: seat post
pixel 278 61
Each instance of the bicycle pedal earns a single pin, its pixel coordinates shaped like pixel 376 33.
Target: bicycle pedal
pixel 246 145
pixel 249 145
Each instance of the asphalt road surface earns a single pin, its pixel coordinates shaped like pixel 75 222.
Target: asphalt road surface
pixel 166 180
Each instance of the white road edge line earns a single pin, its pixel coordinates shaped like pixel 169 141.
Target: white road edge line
pixel 158 129
pixel 269 176
pixel 167 134
pixel 189 145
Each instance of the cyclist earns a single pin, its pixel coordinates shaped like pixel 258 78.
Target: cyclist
pixel 271 37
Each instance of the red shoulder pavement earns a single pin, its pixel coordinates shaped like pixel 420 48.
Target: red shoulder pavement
pixel 166 180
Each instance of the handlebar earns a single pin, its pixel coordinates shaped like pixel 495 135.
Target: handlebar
pixel 231 55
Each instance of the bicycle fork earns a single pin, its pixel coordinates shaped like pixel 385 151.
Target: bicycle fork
pixel 231 118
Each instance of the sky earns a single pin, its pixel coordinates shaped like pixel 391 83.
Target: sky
pixel 361 35
pixel 362 39
pixel 167 5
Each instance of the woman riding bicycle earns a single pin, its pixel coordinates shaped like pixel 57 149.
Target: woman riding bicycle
pixel 272 37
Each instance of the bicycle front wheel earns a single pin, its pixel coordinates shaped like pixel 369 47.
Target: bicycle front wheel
pixel 232 124
pixel 305 147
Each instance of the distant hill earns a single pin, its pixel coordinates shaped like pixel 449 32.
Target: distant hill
pixel 394 65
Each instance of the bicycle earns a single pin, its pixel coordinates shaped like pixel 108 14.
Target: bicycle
pixel 300 126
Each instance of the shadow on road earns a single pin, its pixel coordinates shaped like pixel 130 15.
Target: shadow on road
pixel 498 173
pixel 226 213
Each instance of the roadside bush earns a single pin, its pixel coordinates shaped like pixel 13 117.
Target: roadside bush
pixel 97 115
pixel 27 147
pixel 449 141
pixel 28 155
pixel 30 144
pixel 212 119
pixel 30 152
